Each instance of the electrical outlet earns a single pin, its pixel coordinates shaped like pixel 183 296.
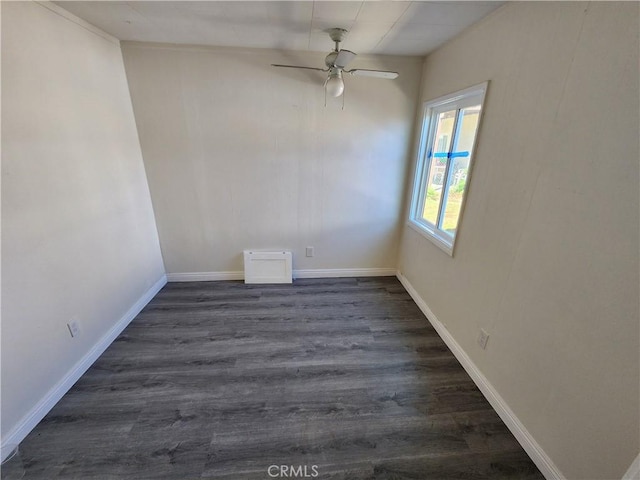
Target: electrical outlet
pixel 74 327
pixel 483 338
pixel 309 251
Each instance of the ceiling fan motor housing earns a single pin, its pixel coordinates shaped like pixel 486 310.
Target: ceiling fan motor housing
pixel 330 59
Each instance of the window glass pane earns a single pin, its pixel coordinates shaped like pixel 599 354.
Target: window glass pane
pixel 438 165
pixel 461 157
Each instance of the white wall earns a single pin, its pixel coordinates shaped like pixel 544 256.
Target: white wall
pixel 240 155
pixel 547 253
pixel 78 232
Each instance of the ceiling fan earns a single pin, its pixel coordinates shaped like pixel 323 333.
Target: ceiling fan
pixel 336 62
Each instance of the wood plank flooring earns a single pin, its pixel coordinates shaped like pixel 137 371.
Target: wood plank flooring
pixel 221 380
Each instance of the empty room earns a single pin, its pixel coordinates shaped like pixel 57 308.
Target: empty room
pixel 320 239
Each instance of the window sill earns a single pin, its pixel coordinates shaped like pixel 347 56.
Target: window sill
pixel 432 236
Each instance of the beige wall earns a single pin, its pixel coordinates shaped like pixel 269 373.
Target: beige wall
pixel 78 233
pixel 240 155
pixel 547 252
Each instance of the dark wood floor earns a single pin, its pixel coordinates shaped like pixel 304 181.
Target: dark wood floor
pixel 222 380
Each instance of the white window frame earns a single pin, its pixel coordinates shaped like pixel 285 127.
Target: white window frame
pixel 431 108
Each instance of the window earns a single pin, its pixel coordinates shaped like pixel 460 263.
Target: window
pixel 449 129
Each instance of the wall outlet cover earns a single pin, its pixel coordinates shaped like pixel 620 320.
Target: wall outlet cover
pixel 74 328
pixel 483 338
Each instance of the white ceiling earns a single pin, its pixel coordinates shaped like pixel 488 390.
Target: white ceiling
pixel 380 27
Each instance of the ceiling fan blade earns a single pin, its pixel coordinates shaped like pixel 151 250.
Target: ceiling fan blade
pixel 373 73
pixel 344 58
pixel 298 66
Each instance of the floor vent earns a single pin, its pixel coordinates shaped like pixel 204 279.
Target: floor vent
pixel 267 267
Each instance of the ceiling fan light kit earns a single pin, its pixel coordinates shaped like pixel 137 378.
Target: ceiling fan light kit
pixel 336 61
pixel 334 85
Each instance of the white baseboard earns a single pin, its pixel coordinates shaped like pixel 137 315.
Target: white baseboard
pixel 309 273
pixel 634 470
pixel 533 449
pixel 344 272
pixel 53 396
pixel 204 276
